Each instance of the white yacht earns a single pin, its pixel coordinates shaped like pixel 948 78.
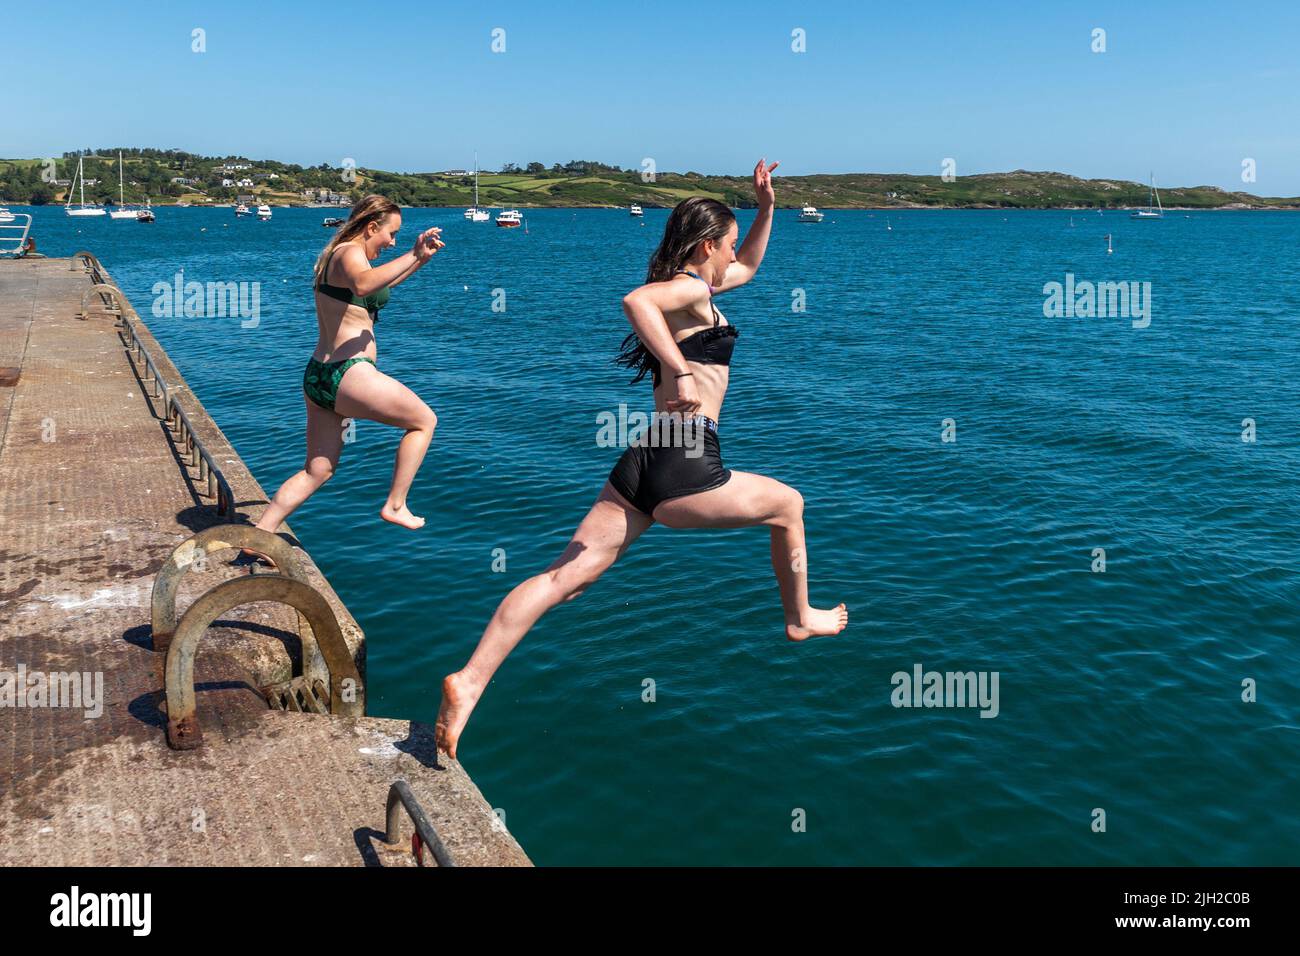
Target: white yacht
pixel 122 211
pixel 474 213
pixel 635 210
pixel 6 215
pixel 81 209
pixel 264 212
pixel 810 214
pixel 509 217
pixel 241 210
pixel 1156 212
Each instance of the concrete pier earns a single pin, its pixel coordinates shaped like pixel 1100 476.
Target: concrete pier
pixel 96 490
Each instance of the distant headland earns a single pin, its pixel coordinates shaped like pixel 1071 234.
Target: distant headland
pixel 164 176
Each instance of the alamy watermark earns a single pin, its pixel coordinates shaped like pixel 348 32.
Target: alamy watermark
pixel 211 300
pixel 654 430
pixel 1088 300
pixel 75 908
pixel 922 688
pixel 38 689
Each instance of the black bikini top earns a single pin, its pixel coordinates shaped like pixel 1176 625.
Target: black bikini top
pixel 707 346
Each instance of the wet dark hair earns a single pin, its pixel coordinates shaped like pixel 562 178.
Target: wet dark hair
pixel 690 223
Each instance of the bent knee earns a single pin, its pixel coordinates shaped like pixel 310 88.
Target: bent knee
pixel 425 420
pixel 789 507
pixel 571 580
pixel 320 471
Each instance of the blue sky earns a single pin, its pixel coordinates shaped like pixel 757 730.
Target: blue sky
pixel 1188 90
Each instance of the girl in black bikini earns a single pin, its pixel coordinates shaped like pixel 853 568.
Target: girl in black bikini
pixel 341 379
pixel 681 339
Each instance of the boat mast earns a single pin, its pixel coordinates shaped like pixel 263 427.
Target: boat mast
pixel 120 200
pixel 476 179
pixel 81 170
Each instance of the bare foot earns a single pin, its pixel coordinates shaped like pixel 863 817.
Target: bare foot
pixel 458 700
pixel 815 622
pixel 401 516
pixel 253 557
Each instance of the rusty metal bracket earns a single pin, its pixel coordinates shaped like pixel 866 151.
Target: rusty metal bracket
pixel 221 538
pixel 89 263
pixel 400 796
pixel 105 290
pixel 346 693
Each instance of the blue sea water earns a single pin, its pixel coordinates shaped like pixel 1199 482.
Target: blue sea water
pixel 1119 690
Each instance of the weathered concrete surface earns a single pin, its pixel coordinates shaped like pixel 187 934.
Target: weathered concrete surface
pixel 93 497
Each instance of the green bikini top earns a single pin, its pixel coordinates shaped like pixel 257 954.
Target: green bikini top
pixel 371 303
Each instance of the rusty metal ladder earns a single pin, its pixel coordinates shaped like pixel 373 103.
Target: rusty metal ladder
pixel 400 798
pixel 329 682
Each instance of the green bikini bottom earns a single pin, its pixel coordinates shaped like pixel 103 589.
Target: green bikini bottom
pixel 321 380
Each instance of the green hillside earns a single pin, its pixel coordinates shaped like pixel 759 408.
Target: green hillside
pixel 151 174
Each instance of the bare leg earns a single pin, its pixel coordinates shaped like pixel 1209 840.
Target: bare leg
pixel 366 392
pixel 608 530
pixel 324 444
pixel 747 500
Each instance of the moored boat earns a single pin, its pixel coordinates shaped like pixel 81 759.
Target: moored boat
pixel 81 209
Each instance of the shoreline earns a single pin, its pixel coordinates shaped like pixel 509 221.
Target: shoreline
pixel 1227 207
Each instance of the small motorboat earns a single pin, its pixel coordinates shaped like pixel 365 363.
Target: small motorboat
pixel 333 222
pixel 509 218
pixel 635 210
pixel 6 215
pixel 145 214
pixel 241 210
pixel 810 214
pixel 264 212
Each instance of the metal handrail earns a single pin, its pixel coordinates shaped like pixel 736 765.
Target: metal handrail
pixel 158 382
pixel 22 230
pixel 400 794
pixel 218 486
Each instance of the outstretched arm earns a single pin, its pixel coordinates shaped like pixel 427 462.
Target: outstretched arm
pixel 750 254
pixel 645 308
pixel 363 279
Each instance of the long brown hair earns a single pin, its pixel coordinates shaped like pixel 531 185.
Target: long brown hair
pixel 368 209
pixel 691 222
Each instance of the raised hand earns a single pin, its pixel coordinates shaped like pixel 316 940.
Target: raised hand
pixel 763 183
pixel 428 243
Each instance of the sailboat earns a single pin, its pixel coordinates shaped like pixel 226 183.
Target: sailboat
pixel 122 211
pixel 81 209
pixel 1150 212
pixel 473 213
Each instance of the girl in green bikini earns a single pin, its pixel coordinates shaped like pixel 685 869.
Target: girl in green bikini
pixel 342 380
